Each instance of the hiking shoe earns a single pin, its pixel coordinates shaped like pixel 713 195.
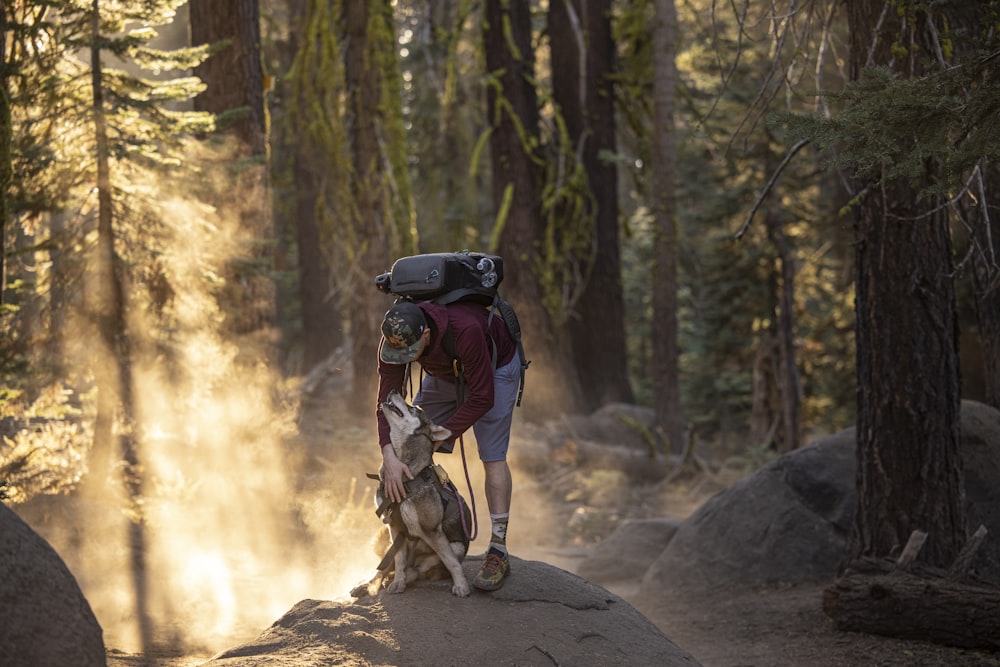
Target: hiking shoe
pixel 495 568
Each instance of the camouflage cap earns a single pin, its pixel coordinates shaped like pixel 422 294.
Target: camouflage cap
pixel 402 328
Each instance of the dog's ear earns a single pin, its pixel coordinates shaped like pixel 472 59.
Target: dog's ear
pixel 439 433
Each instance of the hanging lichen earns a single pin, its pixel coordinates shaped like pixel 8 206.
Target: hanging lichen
pixel 397 194
pixel 320 116
pixel 566 249
pixel 569 246
pixel 316 109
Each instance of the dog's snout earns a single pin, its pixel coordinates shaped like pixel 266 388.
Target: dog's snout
pixel 390 404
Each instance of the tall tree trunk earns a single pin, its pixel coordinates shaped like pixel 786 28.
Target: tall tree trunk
pixel 765 407
pixel 59 259
pixel 512 106
pixel 789 386
pixel 445 121
pixel 117 391
pixel 307 84
pixel 6 170
pixel 322 328
pixel 233 75
pixel 583 56
pixel 234 79
pixel 986 279
pixel 666 365
pixel 366 112
pixel 909 468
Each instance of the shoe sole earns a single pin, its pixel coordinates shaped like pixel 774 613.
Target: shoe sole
pixel 488 587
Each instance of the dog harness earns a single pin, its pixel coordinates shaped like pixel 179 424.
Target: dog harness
pixel 422 478
pixel 450 498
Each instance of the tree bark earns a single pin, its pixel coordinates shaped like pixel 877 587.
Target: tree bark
pixel 366 113
pixel 306 166
pixel 986 278
pixel 117 392
pixel 6 170
pixel 666 352
pixel 913 601
pixel 583 55
pixel 234 75
pixel 910 606
pixel 789 385
pixel 234 79
pixel 322 328
pixel 552 385
pixel 909 467
pixel 765 409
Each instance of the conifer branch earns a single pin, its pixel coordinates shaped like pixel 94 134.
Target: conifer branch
pixel 799 145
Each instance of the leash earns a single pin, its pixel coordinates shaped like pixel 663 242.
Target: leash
pixel 472 497
pixel 424 475
pixel 428 474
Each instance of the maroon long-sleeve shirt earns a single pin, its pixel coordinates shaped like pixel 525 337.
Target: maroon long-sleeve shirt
pixel 468 323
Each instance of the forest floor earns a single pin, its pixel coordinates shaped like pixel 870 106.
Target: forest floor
pixel 776 627
pixel 787 628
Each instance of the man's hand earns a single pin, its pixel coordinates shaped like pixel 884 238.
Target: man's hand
pixel 393 471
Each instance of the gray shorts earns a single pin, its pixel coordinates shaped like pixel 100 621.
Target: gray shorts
pixel 438 400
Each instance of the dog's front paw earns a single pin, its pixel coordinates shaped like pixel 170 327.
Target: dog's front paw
pixel 369 588
pixel 460 588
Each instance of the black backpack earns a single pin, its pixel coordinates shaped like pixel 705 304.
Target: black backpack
pixel 448 277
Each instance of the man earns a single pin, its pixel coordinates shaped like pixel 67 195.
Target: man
pixel 436 336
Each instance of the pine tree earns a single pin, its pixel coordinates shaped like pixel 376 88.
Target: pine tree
pixel 111 127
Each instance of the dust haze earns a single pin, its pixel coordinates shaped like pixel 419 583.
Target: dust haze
pixel 254 497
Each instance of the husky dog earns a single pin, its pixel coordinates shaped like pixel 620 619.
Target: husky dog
pixel 426 528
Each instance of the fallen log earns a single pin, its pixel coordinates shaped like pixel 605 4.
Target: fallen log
pixel 909 600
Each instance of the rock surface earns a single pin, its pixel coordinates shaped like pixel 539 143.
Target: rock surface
pixel 541 616
pixel 789 522
pixel 44 617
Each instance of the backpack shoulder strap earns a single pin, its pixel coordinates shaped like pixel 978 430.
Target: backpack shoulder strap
pixel 514 327
pixel 448 341
pixel 448 345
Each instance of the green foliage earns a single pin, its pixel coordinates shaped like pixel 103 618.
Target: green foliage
pixel 634 79
pixel 15 367
pixel 439 186
pixel 889 126
pixel 724 155
pixel 398 196
pixel 52 101
pixel 568 247
pixel 314 113
pixel 153 169
pixel 720 314
pixel 43 451
pixel 41 97
pixel 319 118
pixel 443 114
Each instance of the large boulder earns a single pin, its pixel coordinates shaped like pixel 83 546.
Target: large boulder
pixel 789 522
pixel 981 461
pixel 541 616
pixel 626 554
pixel 46 621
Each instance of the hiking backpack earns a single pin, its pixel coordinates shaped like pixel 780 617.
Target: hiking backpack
pixel 448 277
